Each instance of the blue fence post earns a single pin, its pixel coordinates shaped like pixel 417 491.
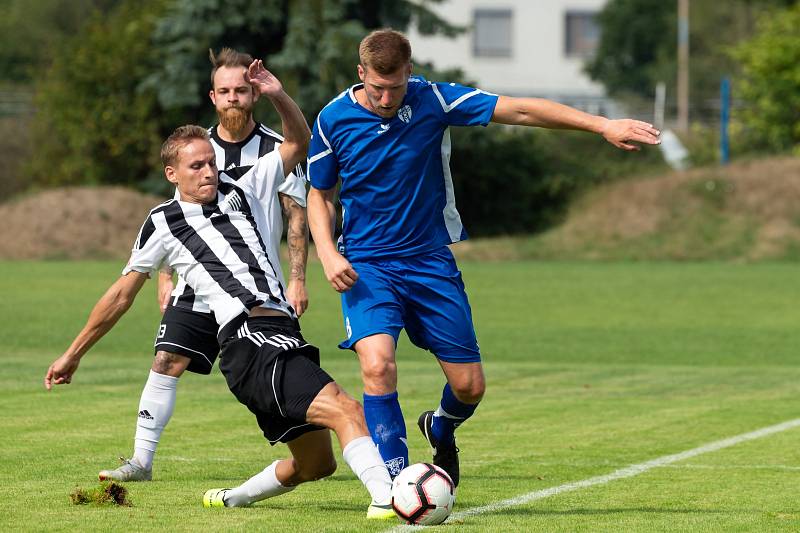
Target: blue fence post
pixel 725 108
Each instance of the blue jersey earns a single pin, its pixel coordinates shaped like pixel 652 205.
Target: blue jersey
pixel 397 192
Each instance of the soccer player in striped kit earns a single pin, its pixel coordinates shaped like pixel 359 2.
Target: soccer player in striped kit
pixel 387 139
pixel 214 237
pixel 186 338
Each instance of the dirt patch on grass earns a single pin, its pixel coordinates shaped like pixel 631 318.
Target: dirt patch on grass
pixel 74 223
pixel 748 211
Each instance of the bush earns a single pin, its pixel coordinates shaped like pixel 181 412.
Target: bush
pixel 520 180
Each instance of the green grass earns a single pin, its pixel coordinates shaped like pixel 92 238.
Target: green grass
pixel 590 367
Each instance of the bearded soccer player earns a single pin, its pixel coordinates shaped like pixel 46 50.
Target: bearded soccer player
pixel 387 139
pixel 186 338
pixel 214 237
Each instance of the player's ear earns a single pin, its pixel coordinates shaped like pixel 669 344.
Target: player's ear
pixel 362 73
pixel 212 96
pixel 171 174
pixel 409 68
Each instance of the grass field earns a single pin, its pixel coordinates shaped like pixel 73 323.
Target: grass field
pixel 590 367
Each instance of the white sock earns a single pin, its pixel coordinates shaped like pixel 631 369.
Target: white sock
pixel 259 487
pixel 362 456
pixel 155 410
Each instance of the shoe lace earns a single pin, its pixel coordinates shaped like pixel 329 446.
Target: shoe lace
pixel 127 462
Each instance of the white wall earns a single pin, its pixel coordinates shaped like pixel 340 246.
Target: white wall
pixel 538 65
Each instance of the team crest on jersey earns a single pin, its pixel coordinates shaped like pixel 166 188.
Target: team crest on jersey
pixel 404 113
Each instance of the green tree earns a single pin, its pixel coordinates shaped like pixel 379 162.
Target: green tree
pixel 93 123
pixel 310 44
pixel 126 80
pixel 638 46
pixel 769 83
pixel 31 32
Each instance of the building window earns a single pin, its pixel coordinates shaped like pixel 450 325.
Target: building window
pixel 491 33
pixel 582 34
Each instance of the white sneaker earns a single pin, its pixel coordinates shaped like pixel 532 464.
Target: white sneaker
pixel 130 470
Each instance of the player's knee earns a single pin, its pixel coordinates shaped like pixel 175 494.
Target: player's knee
pixel 380 372
pixel 170 364
pixel 347 409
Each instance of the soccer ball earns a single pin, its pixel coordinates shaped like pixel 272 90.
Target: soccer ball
pixel 423 494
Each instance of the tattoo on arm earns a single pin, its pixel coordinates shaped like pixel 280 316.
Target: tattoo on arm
pixel 296 237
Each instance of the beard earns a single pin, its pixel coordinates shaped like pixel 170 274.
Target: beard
pixel 234 118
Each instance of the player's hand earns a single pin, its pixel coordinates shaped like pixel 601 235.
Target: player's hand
pixel 262 79
pixel 339 271
pixel 297 296
pixel 165 287
pixel 61 371
pixel 623 132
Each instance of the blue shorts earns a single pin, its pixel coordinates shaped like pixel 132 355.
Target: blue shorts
pixel 423 294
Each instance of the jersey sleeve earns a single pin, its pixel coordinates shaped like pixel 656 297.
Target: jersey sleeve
pixel 294 186
pixel 464 106
pixel 148 251
pixel 323 168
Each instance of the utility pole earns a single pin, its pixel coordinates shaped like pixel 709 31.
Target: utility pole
pixel 683 65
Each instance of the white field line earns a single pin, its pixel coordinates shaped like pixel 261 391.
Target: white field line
pixel 622 473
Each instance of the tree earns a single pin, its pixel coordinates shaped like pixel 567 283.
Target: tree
pixel 638 46
pixel 122 83
pixel 31 32
pixel 311 44
pixel 770 82
pixel 93 123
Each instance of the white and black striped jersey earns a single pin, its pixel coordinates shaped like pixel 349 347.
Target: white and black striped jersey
pixel 236 159
pixel 219 248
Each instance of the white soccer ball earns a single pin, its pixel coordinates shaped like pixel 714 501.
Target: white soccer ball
pixel 423 494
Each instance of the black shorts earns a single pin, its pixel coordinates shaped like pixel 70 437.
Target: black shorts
pixel 272 370
pixel 189 333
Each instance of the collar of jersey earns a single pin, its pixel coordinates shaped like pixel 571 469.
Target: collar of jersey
pixel 352 93
pixel 222 142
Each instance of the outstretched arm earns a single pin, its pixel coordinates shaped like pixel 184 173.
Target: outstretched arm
pixel 111 306
pixel 321 214
pixel 297 241
pixel 548 114
pixel 296 134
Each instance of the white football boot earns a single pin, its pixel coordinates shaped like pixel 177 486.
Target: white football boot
pixel 130 470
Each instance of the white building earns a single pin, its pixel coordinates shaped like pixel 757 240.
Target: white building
pixel 521 48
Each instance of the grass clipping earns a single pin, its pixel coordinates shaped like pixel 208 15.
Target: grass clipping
pixel 107 493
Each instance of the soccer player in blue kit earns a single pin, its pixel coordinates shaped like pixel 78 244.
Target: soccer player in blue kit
pixel 387 139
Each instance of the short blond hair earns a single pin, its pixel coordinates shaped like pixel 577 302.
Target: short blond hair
pixel 182 136
pixel 384 51
pixel 227 57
